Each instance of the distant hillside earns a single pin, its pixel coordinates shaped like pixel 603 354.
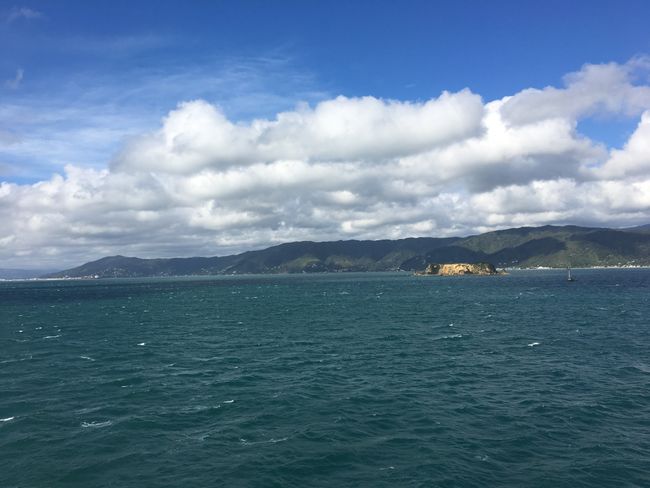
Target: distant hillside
pixel 294 257
pixel 639 228
pixel 21 274
pixel 555 246
pixel 552 246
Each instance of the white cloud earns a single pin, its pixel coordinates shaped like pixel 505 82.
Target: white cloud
pixel 634 158
pixel 15 82
pixel 198 135
pixel 18 13
pixel 204 184
pixel 595 89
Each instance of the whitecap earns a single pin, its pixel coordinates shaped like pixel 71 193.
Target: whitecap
pixel 52 337
pixel 142 344
pixel 86 357
pixel 96 425
pixel 8 419
pixel 246 442
pixel 532 344
pixel 448 336
pixel 229 401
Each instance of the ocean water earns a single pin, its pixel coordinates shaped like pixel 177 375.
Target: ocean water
pixel 338 380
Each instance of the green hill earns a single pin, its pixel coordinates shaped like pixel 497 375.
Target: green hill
pixel 554 246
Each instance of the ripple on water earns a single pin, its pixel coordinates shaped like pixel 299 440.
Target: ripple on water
pixel 312 381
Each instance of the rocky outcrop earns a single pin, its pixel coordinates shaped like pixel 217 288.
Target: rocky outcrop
pixel 455 269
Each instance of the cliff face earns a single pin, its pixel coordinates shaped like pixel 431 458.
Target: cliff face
pixel 454 269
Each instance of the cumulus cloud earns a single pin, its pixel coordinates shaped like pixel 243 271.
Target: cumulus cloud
pixel 634 158
pixel 198 135
pixel 203 184
pixel 595 89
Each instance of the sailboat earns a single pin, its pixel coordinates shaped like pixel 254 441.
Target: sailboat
pixel 569 277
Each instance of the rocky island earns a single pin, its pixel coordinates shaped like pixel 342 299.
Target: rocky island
pixel 455 269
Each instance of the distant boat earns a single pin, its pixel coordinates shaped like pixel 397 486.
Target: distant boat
pixel 568 276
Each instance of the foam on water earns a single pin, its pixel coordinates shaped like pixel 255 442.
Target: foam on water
pixel 96 425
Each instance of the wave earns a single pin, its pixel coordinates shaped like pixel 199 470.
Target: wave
pixel 448 336
pixel 96 425
pixel 246 442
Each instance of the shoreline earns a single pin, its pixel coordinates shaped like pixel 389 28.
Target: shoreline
pixel 413 273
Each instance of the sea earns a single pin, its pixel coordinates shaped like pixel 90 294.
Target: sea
pixel 327 380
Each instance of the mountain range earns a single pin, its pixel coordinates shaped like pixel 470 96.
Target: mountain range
pixel 552 246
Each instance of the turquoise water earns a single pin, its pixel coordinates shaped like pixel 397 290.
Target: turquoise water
pixel 327 380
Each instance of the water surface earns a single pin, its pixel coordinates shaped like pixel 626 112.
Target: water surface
pixel 327 380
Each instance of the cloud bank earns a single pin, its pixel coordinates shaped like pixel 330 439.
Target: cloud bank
pixel 344 168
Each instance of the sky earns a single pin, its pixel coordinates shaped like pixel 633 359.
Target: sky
pixel 168 128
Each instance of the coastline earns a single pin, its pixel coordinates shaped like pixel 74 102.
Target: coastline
pixel 507 270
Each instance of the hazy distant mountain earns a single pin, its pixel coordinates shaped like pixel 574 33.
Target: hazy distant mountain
pixel 639 228
pixel 21 274
pixel 526 247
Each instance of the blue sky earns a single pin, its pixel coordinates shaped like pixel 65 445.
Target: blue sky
pixel 388 49
pixel 134 61
pixel 82 82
